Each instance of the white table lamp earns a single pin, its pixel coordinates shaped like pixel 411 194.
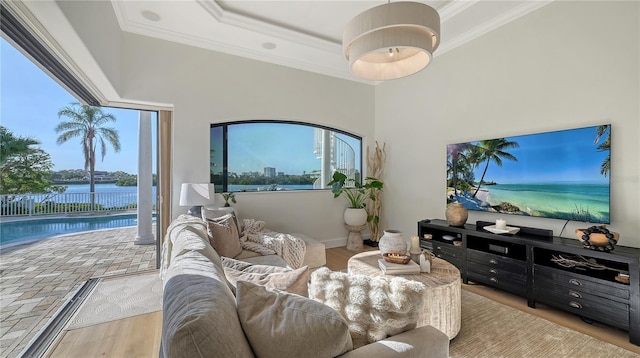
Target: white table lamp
pixel 196 195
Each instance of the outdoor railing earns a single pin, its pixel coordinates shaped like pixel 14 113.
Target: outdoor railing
pixel 66 203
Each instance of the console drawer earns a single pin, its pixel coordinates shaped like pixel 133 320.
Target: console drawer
pixel 447 252
pixel 497 277
pixel 581 283
pixel 579 296
pixel 497 261
pixel 612 313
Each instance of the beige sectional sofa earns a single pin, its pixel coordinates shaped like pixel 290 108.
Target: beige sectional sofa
pixel 205 316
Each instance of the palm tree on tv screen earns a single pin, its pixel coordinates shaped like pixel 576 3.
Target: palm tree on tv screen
pixel 605 167
pixel 88 124
pixel 493 150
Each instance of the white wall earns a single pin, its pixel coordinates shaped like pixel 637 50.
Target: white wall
pixel 207 87
pixel 567 65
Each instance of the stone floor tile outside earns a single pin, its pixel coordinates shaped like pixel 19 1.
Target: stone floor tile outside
pixel 36 279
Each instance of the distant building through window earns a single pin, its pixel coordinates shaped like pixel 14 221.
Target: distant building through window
pixel 276 155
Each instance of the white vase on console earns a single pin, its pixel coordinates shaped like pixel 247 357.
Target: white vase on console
pixel 392 242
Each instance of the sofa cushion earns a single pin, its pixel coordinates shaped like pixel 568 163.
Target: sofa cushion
pixel 196 299
pixel 278 324
pixel 223 231
pixel 292 281
pixel 374 307
pixel 191 240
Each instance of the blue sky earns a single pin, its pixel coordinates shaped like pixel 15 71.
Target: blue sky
pixel 550 157
pixel 288 148
pixel 29 105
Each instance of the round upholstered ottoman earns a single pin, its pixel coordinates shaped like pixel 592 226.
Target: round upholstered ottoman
pixel 442 297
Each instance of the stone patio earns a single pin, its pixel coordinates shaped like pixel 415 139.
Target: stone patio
pixel 37 279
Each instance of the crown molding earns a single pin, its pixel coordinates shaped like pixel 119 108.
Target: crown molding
pixel 296 42
pixel 248 23
pixel 498 21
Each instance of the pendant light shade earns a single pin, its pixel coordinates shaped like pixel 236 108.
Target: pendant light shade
pixel 392 40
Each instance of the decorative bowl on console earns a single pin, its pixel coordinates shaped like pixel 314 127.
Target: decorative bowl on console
pixel 598 238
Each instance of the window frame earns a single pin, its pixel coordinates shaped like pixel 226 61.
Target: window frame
pixel 225 142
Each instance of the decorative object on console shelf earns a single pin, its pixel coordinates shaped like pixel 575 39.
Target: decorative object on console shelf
pixel 598 238
pixel 392 242
pixel 522 230
pixel 196 195
pixel 456 214
pixel 507 229
pixel 227 197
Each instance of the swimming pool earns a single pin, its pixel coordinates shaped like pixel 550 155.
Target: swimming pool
pixel 21 232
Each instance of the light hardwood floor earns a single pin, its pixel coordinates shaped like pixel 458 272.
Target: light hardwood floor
pixel 140 336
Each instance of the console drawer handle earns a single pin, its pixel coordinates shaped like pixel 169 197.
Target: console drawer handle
pixel 493 271
pixel 439 247
pixel 575 294
pixel 573 281
pixel 493 261
pixel 493 279
pixel 575 305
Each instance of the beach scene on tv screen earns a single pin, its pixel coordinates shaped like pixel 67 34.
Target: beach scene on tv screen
pixel 562 174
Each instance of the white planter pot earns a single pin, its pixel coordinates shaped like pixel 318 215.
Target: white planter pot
pixel 355 217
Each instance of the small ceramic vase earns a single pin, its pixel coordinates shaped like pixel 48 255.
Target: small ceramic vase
pixel 392 242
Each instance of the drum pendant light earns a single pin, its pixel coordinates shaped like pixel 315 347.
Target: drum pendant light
pixel 391 41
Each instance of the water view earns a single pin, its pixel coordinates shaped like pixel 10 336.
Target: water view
pixel 545 199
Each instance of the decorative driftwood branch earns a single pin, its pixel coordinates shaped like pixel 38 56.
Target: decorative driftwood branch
pixel 375 167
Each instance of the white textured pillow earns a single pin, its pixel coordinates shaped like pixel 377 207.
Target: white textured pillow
pixel 278 324
pixel 374 307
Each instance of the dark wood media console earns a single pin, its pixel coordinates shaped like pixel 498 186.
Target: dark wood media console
pixel 533 265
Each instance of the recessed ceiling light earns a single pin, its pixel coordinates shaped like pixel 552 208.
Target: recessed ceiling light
pixel 269 45
pixel 150 15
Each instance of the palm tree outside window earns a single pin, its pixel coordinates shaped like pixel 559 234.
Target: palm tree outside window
pixel 89 124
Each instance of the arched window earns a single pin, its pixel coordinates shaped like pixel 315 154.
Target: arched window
pixel 263 155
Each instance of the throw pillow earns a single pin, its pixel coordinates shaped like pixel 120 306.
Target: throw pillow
pixel 295 281
pixel 251 267
pixel 278 324
pixel 374 307
pixel 222 227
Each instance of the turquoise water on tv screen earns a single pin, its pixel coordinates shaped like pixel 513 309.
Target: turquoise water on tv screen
pixel 555 199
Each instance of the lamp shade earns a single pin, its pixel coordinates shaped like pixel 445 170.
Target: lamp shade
pixel 392 40
pixel 192 194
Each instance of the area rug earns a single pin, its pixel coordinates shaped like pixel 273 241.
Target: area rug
pixel 491 329
pixel 117 298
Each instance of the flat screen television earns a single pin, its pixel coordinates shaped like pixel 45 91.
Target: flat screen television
pixel 563 174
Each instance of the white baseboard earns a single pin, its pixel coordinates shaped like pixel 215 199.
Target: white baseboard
pixel 338 242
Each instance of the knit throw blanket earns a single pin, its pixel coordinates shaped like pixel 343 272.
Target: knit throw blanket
pixel 256 238
pixel 374 307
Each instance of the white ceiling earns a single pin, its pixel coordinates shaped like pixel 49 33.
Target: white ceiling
pixel 303 34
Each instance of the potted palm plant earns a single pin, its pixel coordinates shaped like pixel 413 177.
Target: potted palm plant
pixel 357 195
